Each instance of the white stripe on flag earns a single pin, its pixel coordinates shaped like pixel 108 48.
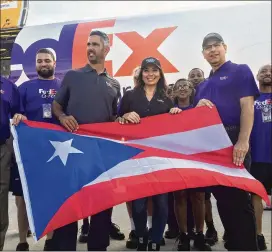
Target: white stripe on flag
pixel 134 167
pixel 195 141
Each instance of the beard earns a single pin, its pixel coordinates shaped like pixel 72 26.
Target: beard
pixel 46 73
pixel 266 84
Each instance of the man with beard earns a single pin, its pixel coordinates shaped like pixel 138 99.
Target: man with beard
pixel 9 105
pixel 88 95
pixel 232 89
pixel 261 146
pixel 36 96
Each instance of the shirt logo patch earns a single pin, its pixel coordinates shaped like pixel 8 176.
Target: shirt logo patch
pixel 108 84
pixel 162 101
pixel 265 107
pixel 2 91
pixel 224 78
pixel 51 93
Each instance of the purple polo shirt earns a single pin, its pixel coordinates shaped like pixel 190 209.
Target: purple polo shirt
pixel 37 96
pixel 225 87
pixel 9 105
pixel 261 135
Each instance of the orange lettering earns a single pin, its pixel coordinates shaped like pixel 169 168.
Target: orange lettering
pixel 145 47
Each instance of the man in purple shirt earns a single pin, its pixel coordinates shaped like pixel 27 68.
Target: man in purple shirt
pixel 232 89
pixel 9 105
pixel 36 96
pixel 261 145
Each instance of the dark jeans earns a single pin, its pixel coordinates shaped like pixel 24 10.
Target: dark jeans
pixel 65 238
pixel 236 212
pixel 159 216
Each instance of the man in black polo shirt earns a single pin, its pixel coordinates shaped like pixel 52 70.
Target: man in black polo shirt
pixel 87 95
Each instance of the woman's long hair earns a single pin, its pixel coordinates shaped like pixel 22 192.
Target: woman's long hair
pixel 161 87
pixel 191 86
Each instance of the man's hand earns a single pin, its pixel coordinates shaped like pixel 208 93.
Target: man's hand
pixel 132 117
pixel 205 102
pixel 174 111
pixel 17 118
pixel 239 152
pixel 69 123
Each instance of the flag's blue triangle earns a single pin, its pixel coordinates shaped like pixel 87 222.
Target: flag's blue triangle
pixel 50 184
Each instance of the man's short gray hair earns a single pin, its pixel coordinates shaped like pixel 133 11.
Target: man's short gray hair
pixel 103 36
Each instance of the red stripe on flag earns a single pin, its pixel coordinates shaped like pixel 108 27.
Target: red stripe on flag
pixel 98 197
pixel 149 127
pixel 221 157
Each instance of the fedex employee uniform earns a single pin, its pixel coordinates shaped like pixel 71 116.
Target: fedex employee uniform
pixel 261 141
pixel 9 106
pixel 36 96
pixel 225 87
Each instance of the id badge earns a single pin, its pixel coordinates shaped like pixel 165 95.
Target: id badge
pixel 266 115
pixel 47 112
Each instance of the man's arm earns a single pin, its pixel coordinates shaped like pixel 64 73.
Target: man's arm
pixel 61 101
pixel 246 123
pixel 246 118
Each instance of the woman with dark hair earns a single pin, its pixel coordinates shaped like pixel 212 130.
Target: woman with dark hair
pixel 183 92
pixel 148 98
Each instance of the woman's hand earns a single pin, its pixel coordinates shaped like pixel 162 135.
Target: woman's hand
pixel 132 117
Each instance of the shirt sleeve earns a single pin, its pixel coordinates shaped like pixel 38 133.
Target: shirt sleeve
pixel 22 92
pixel 62 96
pixel 15 101
pixel 124 104
pixel 247 83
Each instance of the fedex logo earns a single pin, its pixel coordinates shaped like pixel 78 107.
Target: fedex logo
pixel 266 104
pixel 47 93
pixel 70 49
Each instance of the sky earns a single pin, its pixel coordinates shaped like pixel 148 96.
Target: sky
pixel 44 12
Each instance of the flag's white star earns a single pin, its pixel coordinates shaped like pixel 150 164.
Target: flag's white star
pixel 63 149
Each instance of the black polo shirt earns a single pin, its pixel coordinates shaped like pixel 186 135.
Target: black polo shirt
pixel 89 97
pixel 135 101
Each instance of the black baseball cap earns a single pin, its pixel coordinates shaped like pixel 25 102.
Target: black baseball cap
pixel 212 36
pixel 151 60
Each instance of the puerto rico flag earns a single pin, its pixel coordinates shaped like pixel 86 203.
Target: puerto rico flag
pixel 69 176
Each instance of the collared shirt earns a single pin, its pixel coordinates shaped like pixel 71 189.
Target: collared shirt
pixel 37 96
pixel 135 101
pixel 225 87
pixel 261 136
pixel 88 96
pixel 9 105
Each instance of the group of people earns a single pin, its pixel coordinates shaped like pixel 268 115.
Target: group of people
pixel 245 111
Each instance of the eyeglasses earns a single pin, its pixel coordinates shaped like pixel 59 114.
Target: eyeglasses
pixel 208 48
pixel 180 87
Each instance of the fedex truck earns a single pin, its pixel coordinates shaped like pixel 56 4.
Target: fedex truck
pixel 175 38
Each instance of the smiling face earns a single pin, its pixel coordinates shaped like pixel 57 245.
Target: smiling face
pixel 196 76
pixel 182 90
pixel 45 65
pixel 151 75
pixel 215 53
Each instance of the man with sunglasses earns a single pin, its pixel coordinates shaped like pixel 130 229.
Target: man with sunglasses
pixel 232 89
